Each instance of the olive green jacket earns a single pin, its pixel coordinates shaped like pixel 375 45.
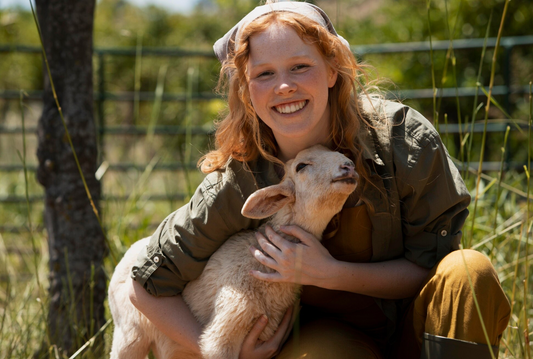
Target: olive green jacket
pixel 416 200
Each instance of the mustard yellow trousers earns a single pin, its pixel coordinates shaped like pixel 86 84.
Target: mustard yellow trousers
pixel 444 307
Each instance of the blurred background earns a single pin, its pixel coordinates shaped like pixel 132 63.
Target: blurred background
pixel 154 74
pixel 140 45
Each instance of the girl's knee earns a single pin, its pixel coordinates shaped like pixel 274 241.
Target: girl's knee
pixel 448 302
pixel 468 273
pixel 458 266
pixel 461 275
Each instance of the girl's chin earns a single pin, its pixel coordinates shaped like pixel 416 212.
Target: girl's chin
pixel 300 138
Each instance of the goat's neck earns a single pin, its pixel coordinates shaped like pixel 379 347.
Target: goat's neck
pixel 314 223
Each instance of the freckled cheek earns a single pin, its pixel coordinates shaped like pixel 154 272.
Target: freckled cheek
pixel 257 94
pixel 311 83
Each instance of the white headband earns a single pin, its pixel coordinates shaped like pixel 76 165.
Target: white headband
pixel 224 45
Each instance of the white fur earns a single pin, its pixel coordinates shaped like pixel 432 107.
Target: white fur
pixel 226 299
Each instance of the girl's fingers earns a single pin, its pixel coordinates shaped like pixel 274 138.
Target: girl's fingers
pixel 296 231
pixel 256 330
pixel 262 258
pixel 283 327
pixel 267 246
pixel 252 346
pixel 267 277
pixel 281 243
pixel 281 334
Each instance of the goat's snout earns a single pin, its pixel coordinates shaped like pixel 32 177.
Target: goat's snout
pixel 348 168
pixel 346 173
pixel 348 164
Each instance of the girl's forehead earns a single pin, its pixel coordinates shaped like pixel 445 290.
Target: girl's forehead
pixel 273 31
pixel 276 28
pixel 279 34
pixel 279 43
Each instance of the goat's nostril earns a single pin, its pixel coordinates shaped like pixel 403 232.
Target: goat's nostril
pixel 348 169
pixel 348 165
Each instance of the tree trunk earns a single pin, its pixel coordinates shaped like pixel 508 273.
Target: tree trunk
pixel 76 241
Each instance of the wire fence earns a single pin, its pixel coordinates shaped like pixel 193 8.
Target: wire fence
pixel 102 95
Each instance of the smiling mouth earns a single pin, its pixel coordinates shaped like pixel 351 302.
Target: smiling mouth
pixel 290 107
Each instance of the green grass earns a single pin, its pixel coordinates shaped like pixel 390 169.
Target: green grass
pixel 23 304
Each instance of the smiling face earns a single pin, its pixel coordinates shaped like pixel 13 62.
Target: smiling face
pixel 289 81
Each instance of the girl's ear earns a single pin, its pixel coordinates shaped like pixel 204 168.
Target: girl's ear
pixel 267 201
pixel 332 76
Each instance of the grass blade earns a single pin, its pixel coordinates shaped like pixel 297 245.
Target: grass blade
pixel 90 342
pixel 498 192
pixel 478 309
pixel 526 264
pixel 476 108
pixel 484 137
pixel 192 80
pixel 137 80
pixel 156 108
pixel 36 256
pixel 435 113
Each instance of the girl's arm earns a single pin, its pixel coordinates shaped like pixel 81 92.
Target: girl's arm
pixel 309 263
pixel 169 314
pixel 172 316
pixel 393 279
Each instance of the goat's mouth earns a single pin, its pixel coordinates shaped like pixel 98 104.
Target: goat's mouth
pixel 345 179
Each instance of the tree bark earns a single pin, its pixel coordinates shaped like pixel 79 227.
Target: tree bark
pixel 76 241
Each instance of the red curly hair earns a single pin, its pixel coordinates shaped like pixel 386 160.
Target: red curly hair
pixel 242 135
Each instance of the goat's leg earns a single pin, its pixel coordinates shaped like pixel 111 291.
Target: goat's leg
pixel 129 345
pixel 219 341
pixel 165 348
pixel 129 336
pixel 224 334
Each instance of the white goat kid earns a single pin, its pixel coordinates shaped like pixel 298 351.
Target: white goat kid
pixel 226 299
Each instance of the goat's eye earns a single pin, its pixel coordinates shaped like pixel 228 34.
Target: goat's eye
pixel 301 166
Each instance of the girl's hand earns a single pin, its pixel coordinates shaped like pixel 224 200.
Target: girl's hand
pixel 307 263
pixel 254 348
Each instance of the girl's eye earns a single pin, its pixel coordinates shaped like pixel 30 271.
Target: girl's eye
pixel 301 166
pixel 300 67
pixel 264 74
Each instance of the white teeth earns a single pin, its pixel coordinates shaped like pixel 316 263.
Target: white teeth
pixel 290 108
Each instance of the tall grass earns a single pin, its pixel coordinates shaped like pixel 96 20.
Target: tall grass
pixel 500 224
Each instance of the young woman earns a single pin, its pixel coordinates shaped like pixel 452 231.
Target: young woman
pixel 386 280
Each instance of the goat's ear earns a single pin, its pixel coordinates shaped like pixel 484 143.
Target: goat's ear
pixel 267 201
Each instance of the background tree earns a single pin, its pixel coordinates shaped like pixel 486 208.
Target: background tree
pixel 76 242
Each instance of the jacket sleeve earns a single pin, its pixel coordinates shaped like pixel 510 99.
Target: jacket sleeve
pixel 180 247
pixel 433 196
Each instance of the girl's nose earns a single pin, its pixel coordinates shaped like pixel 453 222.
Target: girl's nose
pixel 285 86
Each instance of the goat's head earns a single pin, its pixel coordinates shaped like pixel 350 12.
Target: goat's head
pixel 316 184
